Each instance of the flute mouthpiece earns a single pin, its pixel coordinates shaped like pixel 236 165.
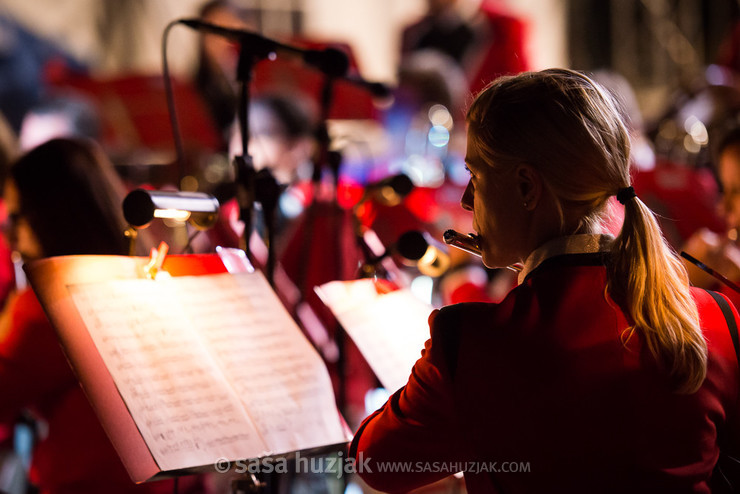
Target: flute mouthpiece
pixel 466 242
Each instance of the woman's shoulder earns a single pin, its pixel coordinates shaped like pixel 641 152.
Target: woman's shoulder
pixel 455 314
pixel 714 307
pixel 453 322
pixel 717 313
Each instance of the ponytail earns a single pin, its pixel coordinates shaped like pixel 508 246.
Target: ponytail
pixel 648 277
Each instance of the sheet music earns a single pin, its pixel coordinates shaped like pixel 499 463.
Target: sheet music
pixel 179 399
pixel 389 329
pixel 272 367
pixel 210 366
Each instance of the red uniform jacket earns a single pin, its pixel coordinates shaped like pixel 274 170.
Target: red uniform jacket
pixel 539 394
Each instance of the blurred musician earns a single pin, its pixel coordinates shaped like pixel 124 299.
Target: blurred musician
pixel 63 198
pixel 721 251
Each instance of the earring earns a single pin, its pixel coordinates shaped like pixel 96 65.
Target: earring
pixel 525 205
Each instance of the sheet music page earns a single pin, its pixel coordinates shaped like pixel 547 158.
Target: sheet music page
pixel 272 367
pixel 389 329
pixel 185 410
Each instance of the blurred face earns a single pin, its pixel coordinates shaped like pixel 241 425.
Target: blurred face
pixel 436 6
pixel 729 177
pixel 494 199
pixel 271 147
pixel 37 129
pixel 20 235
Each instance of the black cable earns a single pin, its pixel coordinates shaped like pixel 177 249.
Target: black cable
pixel 176 135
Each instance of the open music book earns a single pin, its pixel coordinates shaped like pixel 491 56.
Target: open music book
pixel 184 371
pixel 389 329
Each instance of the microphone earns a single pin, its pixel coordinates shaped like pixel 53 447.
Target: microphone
pixel 376 89
pixel 428 254
pixel 330 61
pixel 257 44
pixel 391 190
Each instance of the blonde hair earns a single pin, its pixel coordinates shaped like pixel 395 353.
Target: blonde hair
pixel 571 130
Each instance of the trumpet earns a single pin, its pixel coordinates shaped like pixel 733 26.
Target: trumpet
pixel 469 243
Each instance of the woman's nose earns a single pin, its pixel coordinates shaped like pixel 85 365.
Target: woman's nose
pixel 466 201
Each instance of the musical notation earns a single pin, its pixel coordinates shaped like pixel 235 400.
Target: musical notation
pixel 210 366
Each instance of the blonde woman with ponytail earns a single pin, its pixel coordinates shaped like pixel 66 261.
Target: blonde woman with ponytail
pixel 603 370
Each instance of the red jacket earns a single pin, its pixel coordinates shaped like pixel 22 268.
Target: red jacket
pixel 539 394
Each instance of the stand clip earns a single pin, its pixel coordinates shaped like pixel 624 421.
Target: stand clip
pixel 156 259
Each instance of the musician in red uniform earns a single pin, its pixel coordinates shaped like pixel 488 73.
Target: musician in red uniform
pixel 63 198
pixel 721 251
pixel 602 371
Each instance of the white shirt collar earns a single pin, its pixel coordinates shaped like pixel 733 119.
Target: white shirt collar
pixel 572 244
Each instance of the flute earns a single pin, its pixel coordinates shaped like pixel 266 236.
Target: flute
pixel 711 271
pixel 469 243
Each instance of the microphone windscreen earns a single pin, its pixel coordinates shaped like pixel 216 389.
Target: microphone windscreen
pixel 412 245
pixel 401 184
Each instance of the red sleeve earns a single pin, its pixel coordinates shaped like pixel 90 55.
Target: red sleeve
pixel 722 369
pixel 412 441
pixel 32 365
pixel 733 413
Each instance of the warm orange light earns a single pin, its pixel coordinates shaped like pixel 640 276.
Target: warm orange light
pixel 172 214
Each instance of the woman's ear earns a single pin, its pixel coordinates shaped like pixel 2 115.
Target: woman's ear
pixel 530 186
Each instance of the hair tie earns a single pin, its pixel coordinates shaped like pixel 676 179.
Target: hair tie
pixel 625 194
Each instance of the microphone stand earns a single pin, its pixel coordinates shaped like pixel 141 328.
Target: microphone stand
pixel 324 157
pixel 333 67
pixel 321 157
pixel 246 179
pixel 267 193
pixel 253 186
pixel 243 164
